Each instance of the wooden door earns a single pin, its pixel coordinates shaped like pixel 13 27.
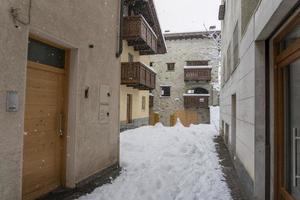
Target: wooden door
pixel 287 111
pixel 45 118
pixel 129 108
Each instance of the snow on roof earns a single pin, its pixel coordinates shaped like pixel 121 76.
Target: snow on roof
pixel 200 95
pixel 198 67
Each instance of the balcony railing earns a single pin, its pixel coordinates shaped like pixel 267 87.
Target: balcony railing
pixel 139 34
pixel 196 100
pixel 138 75
pixel 197 73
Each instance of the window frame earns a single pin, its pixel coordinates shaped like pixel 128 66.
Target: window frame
pixel 162 93
pixel 171 67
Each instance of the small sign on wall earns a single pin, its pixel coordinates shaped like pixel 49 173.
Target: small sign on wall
pixel 12 101
pixel 201 100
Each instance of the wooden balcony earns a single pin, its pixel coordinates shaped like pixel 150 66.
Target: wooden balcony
pixel 137 75
pixel 140 35
pixel 197 73
pixel 196 101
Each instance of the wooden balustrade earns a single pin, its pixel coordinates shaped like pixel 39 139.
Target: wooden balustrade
pixel 137 75
pixel 196 101
pixel 197 74
pixel 139 34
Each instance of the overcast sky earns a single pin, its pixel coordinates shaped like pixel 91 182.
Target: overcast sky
pixel 187 15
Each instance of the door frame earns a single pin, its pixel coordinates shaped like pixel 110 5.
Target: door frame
pixel 129 108
pixel 65 97
pixel 281 61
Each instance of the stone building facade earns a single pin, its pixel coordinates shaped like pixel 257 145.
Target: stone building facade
pixel 186 50
pixel 259 42
pixel 59 94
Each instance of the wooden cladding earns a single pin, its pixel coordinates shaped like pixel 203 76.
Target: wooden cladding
pixel 137 75
pixel 196 101
pixel 195 74
pixel 140 35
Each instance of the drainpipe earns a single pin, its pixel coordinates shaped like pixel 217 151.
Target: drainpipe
pixel 267 128
pixel 120 36
pixel 15 13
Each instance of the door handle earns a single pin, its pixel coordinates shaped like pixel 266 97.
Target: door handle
pixel 60 125
pixel 294 152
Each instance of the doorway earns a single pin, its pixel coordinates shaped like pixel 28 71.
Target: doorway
pixel 233 124
pixel 287 111
pixel 129 108
pixel 45 119
pixel 226 136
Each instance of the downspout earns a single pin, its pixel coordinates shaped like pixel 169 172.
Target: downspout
pixel 267 128
pixel 120 36
pixel 15 13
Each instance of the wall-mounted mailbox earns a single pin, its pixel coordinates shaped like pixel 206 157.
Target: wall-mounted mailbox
pixel 12 101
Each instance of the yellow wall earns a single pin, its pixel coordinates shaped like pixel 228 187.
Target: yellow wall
pixel 137 111
pixel 137 95
pixel 136 56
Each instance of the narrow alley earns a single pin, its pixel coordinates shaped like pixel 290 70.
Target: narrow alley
pixel 169 163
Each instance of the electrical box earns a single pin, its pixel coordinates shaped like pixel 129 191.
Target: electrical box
pixel 12 101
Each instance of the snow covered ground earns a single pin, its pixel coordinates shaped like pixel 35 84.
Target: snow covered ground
pixel 168 163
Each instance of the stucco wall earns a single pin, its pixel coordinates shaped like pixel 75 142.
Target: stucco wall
pixel 180 51
pixel 137 111
pixel 92 146
pixel 137 95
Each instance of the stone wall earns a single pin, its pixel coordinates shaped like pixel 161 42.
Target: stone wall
pixel 180 51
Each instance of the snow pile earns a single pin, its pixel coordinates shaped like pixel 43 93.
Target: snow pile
pixel 163 163
pixel 215 116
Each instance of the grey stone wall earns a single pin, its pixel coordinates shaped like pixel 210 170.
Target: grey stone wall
pixel 180 51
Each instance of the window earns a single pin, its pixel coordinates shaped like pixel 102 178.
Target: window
pixel 165 91
pixel 201 100
pixel 45 54
pixel 171 66
pixel 197 62
pixel 130 58
pixel 143 103
pixel 236 46
pixel 151 64
pixel 222 12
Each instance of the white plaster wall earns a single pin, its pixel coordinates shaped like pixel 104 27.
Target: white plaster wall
pixel 247 81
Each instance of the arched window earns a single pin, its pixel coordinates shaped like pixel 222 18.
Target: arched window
pixel 197 90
